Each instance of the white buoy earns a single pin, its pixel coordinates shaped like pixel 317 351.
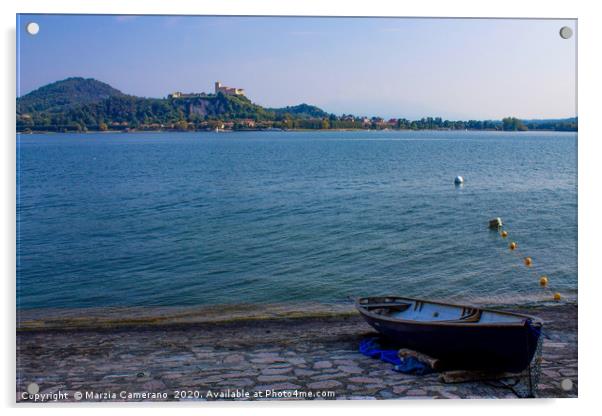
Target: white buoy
pixel 459 180
pixel 496 223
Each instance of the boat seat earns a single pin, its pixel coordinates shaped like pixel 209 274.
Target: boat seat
pixel 389 305
pixel 472 317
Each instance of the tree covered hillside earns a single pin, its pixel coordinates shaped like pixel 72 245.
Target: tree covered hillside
pixel 65 94
pixel 78 104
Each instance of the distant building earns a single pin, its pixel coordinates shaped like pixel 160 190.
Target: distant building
pixel 247 122
pixel 218 88
pixel 228 90
pixel 178 94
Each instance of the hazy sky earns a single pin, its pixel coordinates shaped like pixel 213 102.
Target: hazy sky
pixel 453 68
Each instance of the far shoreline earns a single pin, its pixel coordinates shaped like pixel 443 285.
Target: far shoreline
pixel 227 131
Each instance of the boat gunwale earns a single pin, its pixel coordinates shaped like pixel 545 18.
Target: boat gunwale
pixel 362 310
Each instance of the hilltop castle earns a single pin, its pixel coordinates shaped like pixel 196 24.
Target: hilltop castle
pixel 228 90
pixel 218 88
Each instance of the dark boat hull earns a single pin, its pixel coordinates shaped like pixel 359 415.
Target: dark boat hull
pixel 465 346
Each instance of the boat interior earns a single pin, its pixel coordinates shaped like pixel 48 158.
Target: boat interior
pixel 417 310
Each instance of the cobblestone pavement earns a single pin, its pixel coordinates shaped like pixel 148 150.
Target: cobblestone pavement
pixel 289 358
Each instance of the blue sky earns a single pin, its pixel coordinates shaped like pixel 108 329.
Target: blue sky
pixel 453 68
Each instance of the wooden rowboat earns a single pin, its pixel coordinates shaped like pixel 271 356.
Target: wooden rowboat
pixel 461 337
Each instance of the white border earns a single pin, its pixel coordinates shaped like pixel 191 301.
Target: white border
pixel 590 225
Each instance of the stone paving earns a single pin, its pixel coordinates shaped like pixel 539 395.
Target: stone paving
pixel 286 359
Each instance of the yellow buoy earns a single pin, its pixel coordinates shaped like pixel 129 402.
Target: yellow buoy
pixel 504 234
pixel 512 245
pixel 557 296
pixel 528 261
pixel 543 281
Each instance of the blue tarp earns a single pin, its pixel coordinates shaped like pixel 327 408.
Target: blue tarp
pixel 410 365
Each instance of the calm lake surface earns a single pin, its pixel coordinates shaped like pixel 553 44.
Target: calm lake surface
pixel 202 218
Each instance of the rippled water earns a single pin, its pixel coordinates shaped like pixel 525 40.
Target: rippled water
pixel 205 218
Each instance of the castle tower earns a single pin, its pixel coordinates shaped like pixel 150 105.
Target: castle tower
pixel 218 85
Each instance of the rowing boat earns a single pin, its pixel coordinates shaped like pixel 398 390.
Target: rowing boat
pixel 461 337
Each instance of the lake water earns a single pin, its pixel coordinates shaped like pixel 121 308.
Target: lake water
pixel 176 219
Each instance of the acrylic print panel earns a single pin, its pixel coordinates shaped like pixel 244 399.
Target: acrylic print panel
pixel 233 208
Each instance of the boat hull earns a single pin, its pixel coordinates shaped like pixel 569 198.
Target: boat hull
pixel 469 346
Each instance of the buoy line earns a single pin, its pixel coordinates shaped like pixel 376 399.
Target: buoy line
pixel 528 262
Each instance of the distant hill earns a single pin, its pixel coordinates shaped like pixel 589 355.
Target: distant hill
pixel 551 120
pixel 557 124
pixel 301 110
pixel 221 106
pixel 80 104
pixel 64 94
pixel 76 104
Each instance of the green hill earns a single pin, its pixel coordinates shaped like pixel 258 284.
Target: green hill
pixel 221 106
pixel 76 104
pixel 301 110
pixel 79 104
pixel 65 94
